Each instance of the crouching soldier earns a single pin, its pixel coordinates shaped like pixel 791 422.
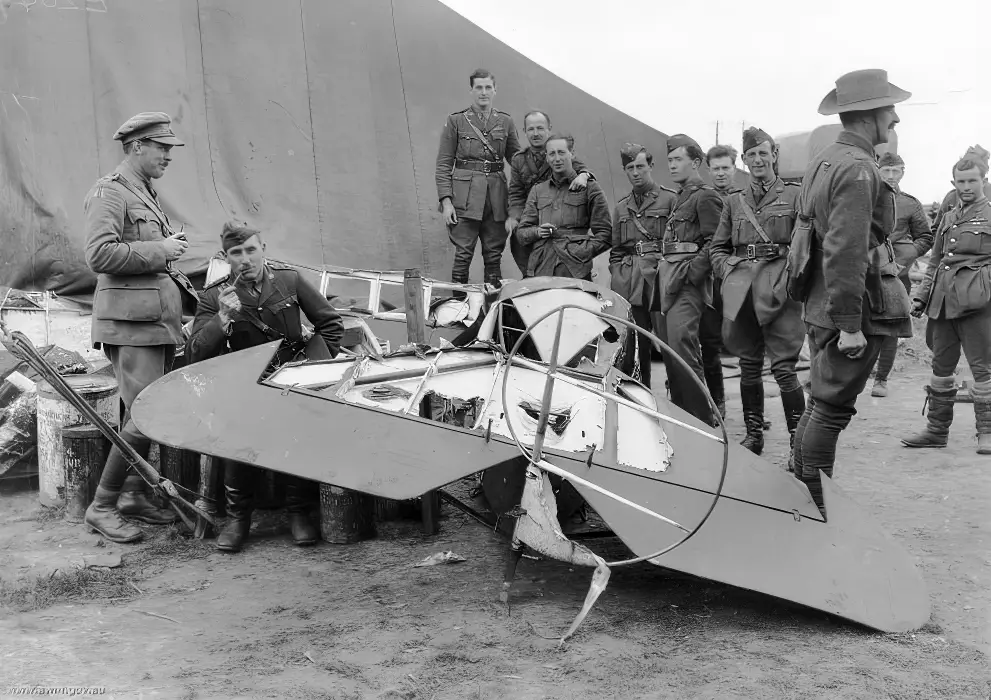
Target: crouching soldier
pixel 260 301
pixel 748 253
pixel 567 229
pixel 956 297
pixel 637 237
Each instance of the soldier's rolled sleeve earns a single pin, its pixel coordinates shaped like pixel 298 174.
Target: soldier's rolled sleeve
pixel 918 227
pixel 105 251
pixel 445 160
pixel 709 209
pixel 721 247
pixel 845 245
pixel 207 338
pixel 517 190
pixel 325 319
pixel 526 233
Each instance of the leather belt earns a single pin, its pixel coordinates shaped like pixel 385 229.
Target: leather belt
pixel 760 251
pixel 679 247
pixel 485 166
pixel 645 247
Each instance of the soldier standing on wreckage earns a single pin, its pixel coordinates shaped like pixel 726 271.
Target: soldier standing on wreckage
pixel 527 168
pixel 137 306
pixel 955 295
pixel 911 238
pixel 684 273
pixel 260 301
pixel 637 234
pixel 471 179
pixel 566 229
pixel 748 253
pixel 854 298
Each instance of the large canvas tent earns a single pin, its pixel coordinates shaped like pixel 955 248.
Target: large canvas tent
pixel 316 121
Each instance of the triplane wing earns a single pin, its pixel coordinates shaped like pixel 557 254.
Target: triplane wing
pixel 640 462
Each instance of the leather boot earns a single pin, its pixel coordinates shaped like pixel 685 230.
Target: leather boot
pixel 880 388
pixel 298 505
pixel 793 403
pixel 238 488
pixel 752 397
pixel 102 517
pixel 134 503
pixel 940 416
pixel 982 412
pixel 714 383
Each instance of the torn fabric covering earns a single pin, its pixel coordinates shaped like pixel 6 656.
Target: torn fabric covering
pixel 317 122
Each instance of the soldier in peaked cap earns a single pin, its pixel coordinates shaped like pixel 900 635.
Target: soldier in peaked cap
pixel 475 145
pixel 684 271
pixel 911 238
pixel 748 253
pixel 138 304
pixel 637 236
pixel 854 298
pixel 261 301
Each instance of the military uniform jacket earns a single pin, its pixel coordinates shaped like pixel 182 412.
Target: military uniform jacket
pixel 723 194
pixel 912 236
pixel 582 221
pixel 470 170
pixel 283 294
pixel 524 173
pixel 853 210
pixel 694 219
pixel 958 281
pixel 634 276
pixel 140 297
pixel 949 202
pixel 763 274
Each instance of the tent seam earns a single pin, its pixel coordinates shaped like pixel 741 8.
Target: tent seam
pixel 409 132
pixel 313 135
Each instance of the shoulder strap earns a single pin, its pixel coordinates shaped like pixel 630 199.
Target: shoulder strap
pixel 148 201
pixel 752 218
pixel 479 134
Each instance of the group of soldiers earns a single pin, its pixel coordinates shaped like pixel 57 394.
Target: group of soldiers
pixel 669 253
pixel 715 263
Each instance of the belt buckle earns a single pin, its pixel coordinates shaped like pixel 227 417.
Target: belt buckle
pixel 751 251
pixel 638 246
pixel 486 167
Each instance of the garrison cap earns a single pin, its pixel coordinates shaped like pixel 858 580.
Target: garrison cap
pixel 629 152
pixel 235 234
pixel 979 152
pixel 755 137
pixel 889 159
pixel 678 140
pixel 151 126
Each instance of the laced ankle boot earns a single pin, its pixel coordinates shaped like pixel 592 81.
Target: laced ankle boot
pixel 102 517
pixel 939 403
pixel 752 397
pixel 135 504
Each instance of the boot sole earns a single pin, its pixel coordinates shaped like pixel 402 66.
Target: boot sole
pixel 305 543
pixel 918 446
pixel 232 550
pixel 116 540
pixel 149 521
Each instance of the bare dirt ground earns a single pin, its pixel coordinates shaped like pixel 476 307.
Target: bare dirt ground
pixel 358 622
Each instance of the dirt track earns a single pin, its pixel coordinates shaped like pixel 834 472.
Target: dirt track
pixel 358 622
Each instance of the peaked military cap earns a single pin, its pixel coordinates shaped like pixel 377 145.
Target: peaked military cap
pixel 755 137
pixel 890 159
pixel 678 140
pixel 151 126
pixel 629 152
pixel 862 90
pixel 235 234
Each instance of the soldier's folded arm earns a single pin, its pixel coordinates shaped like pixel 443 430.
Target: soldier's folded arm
pixel 325 319
pixel 721 247
pixel 207 337
pixel 445 160
pixel 709 208
pixel 105 252
pixel 579 167
pixel 922 234
pixel 845 245
pixel 527 231
pixel 599 220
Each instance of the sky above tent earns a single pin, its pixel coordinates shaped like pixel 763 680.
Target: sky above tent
pixel 683 67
